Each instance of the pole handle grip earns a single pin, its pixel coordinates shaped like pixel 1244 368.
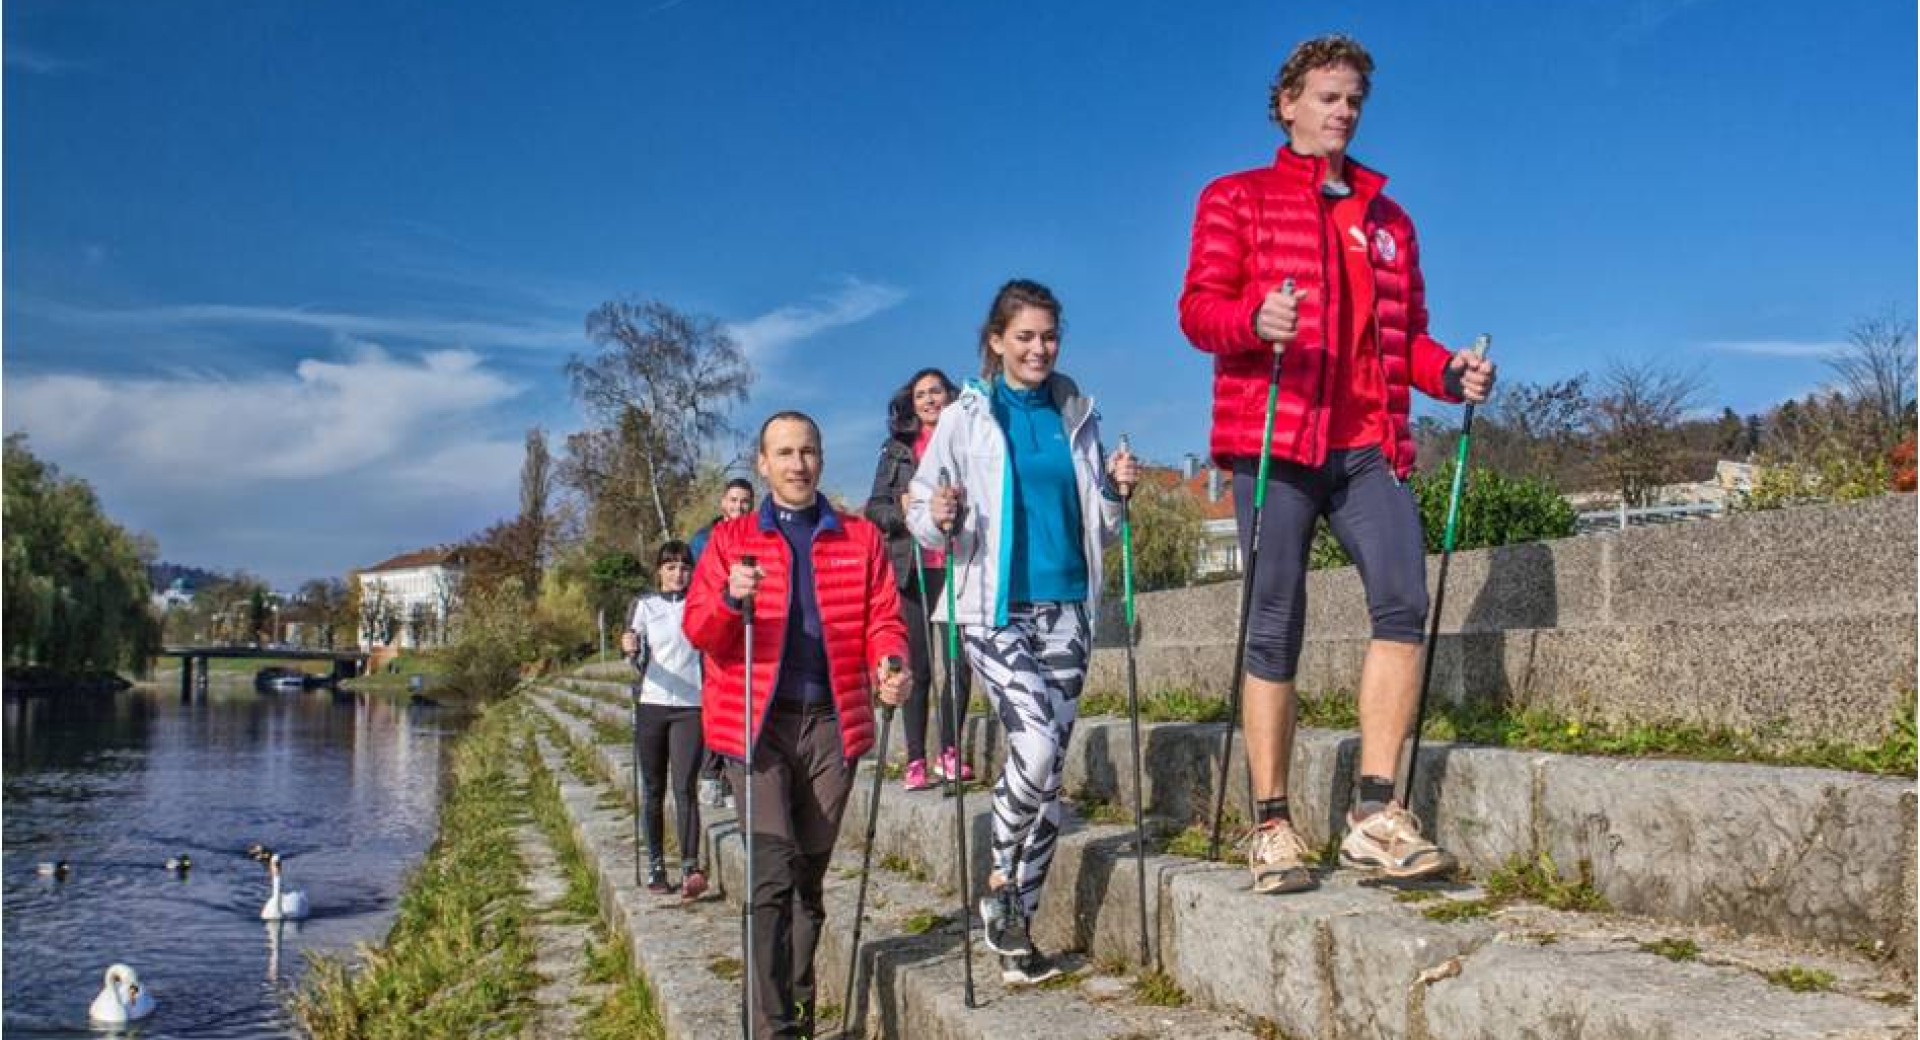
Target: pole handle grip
pixel 946 481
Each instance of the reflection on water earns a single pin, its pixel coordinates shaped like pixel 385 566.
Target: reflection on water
pixel 346 789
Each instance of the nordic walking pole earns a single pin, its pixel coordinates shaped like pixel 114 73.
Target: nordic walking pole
pixel 955 786
pixel 893 666
pixel 1481 344
pixel 1133 705
pixel 746 818
pixel 1246 606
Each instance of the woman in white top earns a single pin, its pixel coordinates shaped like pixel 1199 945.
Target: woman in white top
pixel 668 720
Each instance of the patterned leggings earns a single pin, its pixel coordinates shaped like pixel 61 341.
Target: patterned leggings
pixel 1033 668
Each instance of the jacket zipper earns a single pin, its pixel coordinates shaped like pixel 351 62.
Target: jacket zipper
pixel 1330 304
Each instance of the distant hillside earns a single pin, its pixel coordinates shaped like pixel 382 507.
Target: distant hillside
pixel 162 575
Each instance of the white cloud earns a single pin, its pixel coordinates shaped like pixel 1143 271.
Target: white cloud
pixel 335 464
pixel 855 301
pixel 38 63
pixel 1780 348
pixel 421 329
pixel 331 417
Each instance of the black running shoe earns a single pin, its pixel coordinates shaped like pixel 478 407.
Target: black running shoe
pixel 1028 969
pixel 657 879
pixel 1006 923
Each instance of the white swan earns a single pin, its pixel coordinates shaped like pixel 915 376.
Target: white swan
pixel 282 906
pixel 122 999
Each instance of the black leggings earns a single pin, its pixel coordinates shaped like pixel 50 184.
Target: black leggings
pixel 667 733
pixel 1376 520
pixel 922 662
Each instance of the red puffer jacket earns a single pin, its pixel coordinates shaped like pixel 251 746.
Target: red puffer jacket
pixel 859 619
pixel 1257 228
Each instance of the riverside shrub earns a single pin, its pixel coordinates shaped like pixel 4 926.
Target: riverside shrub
pixel 1495 509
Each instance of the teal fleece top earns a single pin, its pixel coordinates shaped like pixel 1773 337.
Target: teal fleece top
pixel 1047 563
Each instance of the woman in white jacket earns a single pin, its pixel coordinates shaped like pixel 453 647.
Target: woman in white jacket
pixel 1027 506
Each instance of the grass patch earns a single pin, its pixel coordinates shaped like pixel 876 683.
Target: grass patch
pixel 1157 989
pixel 581 900
pixel 1164 706
pixel 1539 880
pixel 1064 980
pixel 631 1010
pixel 605 732
pixel 1897 754
pixel 1894 755
pixel 1193 842
pixel 1268 1029
pixel 458 961
pixel 1460 910
pixel 1415 895
pixel 1099 810
pixel 1801 980
pixel 725 968
pixel 901 865
pixel 922 922
pixel 1674 949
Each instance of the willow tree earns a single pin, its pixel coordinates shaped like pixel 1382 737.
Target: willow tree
pixel 77 596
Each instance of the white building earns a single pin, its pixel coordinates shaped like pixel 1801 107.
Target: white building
pixel 405 602
pixel 174 595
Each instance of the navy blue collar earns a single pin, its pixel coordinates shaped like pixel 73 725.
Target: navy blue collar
pixel 770 522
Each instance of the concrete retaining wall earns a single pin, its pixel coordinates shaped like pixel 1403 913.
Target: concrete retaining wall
pixel 1797 623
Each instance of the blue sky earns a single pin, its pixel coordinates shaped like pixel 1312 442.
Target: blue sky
pixel 289 281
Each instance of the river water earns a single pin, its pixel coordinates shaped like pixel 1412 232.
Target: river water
pixel 346 788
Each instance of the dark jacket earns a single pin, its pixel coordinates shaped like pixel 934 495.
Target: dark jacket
pixel 890 480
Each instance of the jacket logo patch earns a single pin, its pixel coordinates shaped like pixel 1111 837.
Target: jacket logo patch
pixel 1384 245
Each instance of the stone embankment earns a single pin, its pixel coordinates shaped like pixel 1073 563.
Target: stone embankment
pixel 1723 901
pixel 1797 624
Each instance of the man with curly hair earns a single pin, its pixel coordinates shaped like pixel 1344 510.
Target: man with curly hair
pixel 1308 258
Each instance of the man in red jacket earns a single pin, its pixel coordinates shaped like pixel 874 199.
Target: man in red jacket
pixel 1352 328
pixel 827 629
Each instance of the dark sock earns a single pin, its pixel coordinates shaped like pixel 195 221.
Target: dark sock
pixel 1375 792
pixel 1272 809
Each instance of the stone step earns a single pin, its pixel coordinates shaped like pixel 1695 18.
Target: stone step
pixel 1840 677
pixel 912 983
pixel 674 945
pixel 614 669
pixel 1350 959
pixel 1812 855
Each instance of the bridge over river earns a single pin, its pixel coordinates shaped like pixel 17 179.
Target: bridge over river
pixel 193 660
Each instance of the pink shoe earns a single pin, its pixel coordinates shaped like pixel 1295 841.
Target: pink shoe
pixel 948 759
pixel 916 778
pixel 693 885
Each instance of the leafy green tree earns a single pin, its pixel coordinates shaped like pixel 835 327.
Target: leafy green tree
pixel 77 595
pixel 1166 526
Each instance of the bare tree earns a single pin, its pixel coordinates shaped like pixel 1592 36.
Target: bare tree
pixel 536 487
pixel 666 380
pixel 1636 425
pixel 324 598
pixel 1876 369
pixel 607 472
pixel 1540 430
